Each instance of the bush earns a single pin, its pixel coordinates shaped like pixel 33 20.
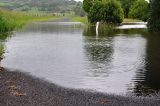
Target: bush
pixel 154 16
pixel 139 10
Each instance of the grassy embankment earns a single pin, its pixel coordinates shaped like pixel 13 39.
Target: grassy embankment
pixel 85 21
pixel 11 20
pixel 131 20
pixel 104 29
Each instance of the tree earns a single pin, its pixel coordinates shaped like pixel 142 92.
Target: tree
pixel 139 10
pixel 94 14
pixel 154 16
pixel 108 11
pixel 87 4
pixel 49 6
pixel 112 12
pixel 126 4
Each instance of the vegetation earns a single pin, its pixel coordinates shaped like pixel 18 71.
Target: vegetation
pixel 87 4
pixel 83 20
pixel 95 13
pixel 3 37
pixel 40 6
pixel 13 20
pixel 126 5
pixel 105 11
pixel 154 16
pixel 139 10
pixel 131 20
pixel 2 49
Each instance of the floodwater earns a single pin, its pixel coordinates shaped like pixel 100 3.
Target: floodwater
pixel 126 61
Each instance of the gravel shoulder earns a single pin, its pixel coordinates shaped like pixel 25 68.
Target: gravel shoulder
pixel 22 89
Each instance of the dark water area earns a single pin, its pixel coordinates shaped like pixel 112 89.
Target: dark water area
pixel 125 61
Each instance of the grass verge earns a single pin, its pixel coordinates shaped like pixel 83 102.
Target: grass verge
pixel 11 20
pixel 83 20
pixel 131 20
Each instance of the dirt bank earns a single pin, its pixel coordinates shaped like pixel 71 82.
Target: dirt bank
pixel 21 89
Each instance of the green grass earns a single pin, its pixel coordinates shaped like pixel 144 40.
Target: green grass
pixel 11 20
pixel 83 20
pixel 2 49
pixel 131 20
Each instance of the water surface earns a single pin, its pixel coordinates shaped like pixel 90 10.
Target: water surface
pixel 122 62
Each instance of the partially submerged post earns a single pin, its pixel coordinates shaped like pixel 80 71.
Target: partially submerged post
pixel 97 26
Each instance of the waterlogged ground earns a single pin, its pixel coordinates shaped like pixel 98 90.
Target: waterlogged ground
pixel 65 53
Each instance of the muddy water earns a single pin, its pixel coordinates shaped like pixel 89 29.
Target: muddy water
pixel 65 53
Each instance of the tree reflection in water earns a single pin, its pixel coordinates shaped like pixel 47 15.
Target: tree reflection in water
pixel 149 77
pixel 100 50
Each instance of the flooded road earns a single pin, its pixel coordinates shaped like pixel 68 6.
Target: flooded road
pixel 65 53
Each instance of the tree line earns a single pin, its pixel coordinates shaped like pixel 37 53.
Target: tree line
pixel 114 11
pixel 47 6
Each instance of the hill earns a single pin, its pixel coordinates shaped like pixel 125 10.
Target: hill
pixel 36 6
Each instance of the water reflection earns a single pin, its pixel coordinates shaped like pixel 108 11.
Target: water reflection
pixel 52 27
pixel 148 78
pixel 98 51
pixel 114 59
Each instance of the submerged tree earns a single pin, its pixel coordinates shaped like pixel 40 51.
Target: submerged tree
pixel 108 11
pixel 139 10
pixel 154 16
pixel 94 14
pixel 112 12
